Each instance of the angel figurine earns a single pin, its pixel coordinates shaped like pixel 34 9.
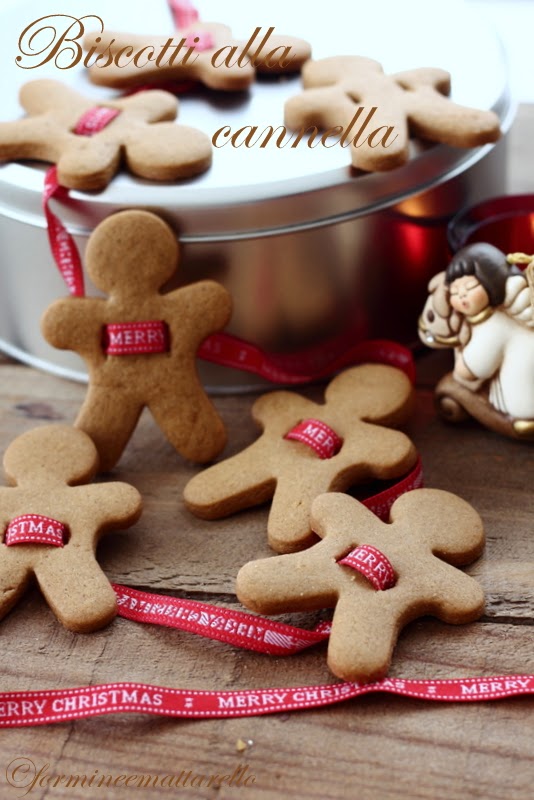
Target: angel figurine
pixel 482 306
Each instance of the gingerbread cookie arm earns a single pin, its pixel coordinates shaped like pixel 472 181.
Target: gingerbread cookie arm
pixel 281 411
pixel 29 139
pixel 379 453
pixel 270 585
pixel 242 481
pixel 290 55
pixel 201 309
pixel 452 596
pixel 324 107
pixel 75 323
pixel 434 116
pixel 167 152
pixel 46 95
pixel 80 595
pixel 107 507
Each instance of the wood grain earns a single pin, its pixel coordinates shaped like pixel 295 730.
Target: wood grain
pixel 376 748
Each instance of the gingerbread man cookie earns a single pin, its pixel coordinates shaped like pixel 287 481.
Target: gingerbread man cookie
pixel 341 91
pixel 308 448
pixel 139 132
pixel 51 522
pixel 140 345
pixel 378 576
pixel 202 51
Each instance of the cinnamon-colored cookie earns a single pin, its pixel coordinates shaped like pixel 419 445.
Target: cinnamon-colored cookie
pixel 379 576
pixel 140 345
pixel 51 521
pixel 231 69
pixel 340 88
pixel 308 448
pixel 62 127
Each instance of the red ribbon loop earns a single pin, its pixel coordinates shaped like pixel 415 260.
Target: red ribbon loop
pixel 134 338
pixel 35 529
pixel 184 13
pixel 372 564
pixel 95 119
pixel 200 40
pixel 317 435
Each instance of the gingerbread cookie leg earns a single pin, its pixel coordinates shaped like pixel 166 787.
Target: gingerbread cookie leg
pixel 109 421
pixel 288 527
pixel 355 653
pixel 192 426
pixel 273 591
pixel 83 599
pixel 225 488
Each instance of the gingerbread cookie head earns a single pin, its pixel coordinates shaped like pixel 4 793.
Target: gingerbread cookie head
pixel 309 448
pixel 140 345
pixel 130 255
pixel 205 52
pixel 350 93
pixel 482 306
pixel 51 521
pixel 90 141
pixel 377 575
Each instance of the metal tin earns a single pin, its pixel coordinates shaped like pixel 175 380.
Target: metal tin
pixel 303 244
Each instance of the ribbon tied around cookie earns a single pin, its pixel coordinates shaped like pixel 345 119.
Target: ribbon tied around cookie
pixel 317 435
pixel 370 562
pixel 136 338
pixel 35 529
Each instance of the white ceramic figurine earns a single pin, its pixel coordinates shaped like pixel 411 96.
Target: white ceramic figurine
pixel 483 307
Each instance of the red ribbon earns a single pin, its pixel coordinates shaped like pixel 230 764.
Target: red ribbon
pixel 35 529
pixel 184 13
pixel 23 709
pixel 373 564
pixel 95 119
pixel 131 338
pixel 318 435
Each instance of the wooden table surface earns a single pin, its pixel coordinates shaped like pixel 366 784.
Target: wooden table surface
pixel 375 748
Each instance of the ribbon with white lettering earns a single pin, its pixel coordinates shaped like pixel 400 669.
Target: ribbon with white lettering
pixel 62 244
pixel 23 709
pixel 237 628
pixel 133 338
pixel 35 529
pixel 308 365
pixel 318 435
pixel 372 564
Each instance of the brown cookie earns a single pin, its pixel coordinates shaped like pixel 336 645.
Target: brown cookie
pixel 140 345
pixel 392 573
pixel 51 522
pixel 339 88
pixel 142 136
pixel 280 54
pixel 308 448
